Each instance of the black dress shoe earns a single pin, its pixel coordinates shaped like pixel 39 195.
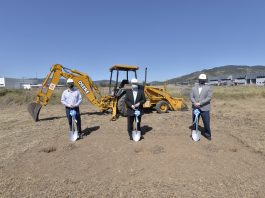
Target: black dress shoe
pixel 142 137
pixel 130 138
pixel 209 138
pixel 80 135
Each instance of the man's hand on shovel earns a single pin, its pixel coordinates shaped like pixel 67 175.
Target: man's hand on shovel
pixel 137 105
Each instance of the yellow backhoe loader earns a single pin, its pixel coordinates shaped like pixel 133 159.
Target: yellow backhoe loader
pixel 156 97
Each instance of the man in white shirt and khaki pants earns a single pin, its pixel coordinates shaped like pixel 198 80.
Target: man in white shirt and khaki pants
pixel 71 99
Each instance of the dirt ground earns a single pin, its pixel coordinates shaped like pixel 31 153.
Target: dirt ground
pixel 38 160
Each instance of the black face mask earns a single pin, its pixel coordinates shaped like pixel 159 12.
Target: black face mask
pixel 201 82
pixel 71 86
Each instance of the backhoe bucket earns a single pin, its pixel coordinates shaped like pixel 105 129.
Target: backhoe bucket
pixel 34 110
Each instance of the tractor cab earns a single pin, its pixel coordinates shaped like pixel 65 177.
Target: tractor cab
pixel 120 76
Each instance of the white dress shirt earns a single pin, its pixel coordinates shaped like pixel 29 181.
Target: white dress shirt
pixel 200 90
pixel 71 98
pixel 135 95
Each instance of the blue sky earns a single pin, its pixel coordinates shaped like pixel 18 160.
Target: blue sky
pixel 170 37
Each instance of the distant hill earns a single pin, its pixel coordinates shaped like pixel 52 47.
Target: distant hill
pixel 103 83
pixel 156 83
pixel 62 81
pixel 218 71
pixel 190 78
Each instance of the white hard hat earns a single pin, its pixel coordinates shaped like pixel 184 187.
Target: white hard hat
pixel 69 80
pixel 134 81
pixel 202 77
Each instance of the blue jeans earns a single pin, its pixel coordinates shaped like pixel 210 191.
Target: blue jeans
pixel 78 118
pixel 206 122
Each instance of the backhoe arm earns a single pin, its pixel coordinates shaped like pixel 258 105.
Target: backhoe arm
pixel 81 81
pixel 45 93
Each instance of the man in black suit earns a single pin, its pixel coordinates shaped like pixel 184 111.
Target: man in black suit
pixel 134 100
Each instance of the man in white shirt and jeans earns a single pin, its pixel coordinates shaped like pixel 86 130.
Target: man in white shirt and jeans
pixel 72 98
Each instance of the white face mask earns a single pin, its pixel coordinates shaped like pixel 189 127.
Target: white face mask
pixel 134 86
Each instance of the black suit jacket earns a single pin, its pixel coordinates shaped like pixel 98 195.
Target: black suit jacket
pixel 129 101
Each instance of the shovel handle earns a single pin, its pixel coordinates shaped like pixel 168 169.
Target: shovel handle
pixel 73 124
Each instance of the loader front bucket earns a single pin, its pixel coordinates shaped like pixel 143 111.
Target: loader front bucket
pixel 34 110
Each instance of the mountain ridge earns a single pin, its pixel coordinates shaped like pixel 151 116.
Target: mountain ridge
pixel 218 71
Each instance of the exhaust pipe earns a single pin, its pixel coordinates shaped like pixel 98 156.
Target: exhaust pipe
pixel 34 110
pixel 145 76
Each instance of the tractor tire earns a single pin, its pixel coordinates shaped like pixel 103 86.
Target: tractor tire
pixel 122 109
pixel 162 107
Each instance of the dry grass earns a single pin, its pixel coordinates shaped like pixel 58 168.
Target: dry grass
pixel 19 96
pixel 238 92
pixel 222 92
pixel 15 96
pixel 179 91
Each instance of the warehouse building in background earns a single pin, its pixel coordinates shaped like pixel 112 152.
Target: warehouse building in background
pixel 16 83
pixel 2 82
pixel 239 79
pixel 260 79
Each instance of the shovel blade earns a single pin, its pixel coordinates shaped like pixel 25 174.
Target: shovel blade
pixel 73 135
pixel 34 110
pixel 196 135
pixel 136 135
